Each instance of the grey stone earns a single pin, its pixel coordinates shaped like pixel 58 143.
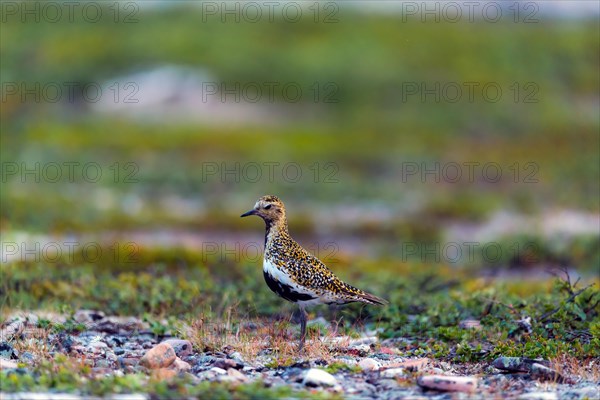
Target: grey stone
pixel 542 372
pixel 382 356
pixel 517 364
pixel 182 347
pixel 237 357
pixel 8 352
pixel 226 363
pixel 103 363
pixel 27 357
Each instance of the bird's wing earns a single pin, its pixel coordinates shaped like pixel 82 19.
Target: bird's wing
pixel 322 278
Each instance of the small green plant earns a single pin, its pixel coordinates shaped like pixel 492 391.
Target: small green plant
pixel 70 325
pixel 160 327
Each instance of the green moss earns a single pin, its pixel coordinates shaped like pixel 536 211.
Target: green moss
pixel 342 367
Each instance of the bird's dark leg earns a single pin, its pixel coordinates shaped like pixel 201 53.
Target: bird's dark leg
pixel 303 317
pixel 334 308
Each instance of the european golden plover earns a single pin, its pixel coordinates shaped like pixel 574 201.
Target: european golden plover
pixel 295 274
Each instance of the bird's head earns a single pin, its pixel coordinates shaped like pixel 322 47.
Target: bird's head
pixel 269 208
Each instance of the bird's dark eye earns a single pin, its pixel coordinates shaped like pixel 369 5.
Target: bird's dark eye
pixel 267 206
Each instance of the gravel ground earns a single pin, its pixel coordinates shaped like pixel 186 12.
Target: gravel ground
pixel 375 369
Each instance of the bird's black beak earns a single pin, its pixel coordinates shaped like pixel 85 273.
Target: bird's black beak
pixel 251 212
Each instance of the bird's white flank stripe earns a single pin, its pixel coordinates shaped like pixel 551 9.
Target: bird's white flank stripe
pixel 278 274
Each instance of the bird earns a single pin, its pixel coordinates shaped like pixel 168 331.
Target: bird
pixel 295 274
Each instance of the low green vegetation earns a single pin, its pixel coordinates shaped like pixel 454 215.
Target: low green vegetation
pixel 430 306
pixel 475 321
pixel 63 375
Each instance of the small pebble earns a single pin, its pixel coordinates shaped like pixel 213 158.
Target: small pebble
pixel 160 356
pixel 392 373
pixel 180 366
pixel 98 347
pixel 237 357
pixel 163 374
pixel 369 364
pixel 237 375
pixel 218 371
pixel 382 356
pixel 102 364
pixel 182 347
pixel 27 357
pixel 7 351
pixel 366 340
pixel 226 363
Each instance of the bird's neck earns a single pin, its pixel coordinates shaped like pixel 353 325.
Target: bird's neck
pixel 275 228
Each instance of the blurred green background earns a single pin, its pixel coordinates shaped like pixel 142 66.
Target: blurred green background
pixel 352 133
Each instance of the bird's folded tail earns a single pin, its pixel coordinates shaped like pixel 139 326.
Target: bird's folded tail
pixel 372 299
pixel 359 295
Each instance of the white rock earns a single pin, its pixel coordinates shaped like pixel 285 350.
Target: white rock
pixel 392 373
pixel 318 377
pixel 7 364
pixel 538 396
pixel 448 383
pixel 365 340
pixel 98 345
pixel 40 396
pixel 415 397
pixel 369 364
pixel 218 371
pixel 133 396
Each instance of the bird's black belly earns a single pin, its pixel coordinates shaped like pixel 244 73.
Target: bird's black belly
pixel 285 291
